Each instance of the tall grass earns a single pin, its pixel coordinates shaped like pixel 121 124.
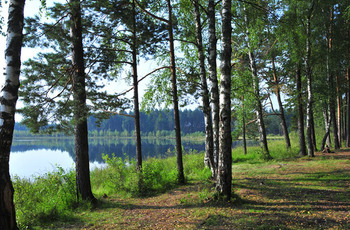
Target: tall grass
pixel 45 198
pixel 277 149
pixel 158 175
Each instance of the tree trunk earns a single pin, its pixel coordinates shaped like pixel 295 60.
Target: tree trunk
pixel 339 113
pixel 279 100
pixel 80 108
pixel 327 128
pixel 348 96
pixel 224 175
pixel 180 176
pixel 259 109
pixel 348 108
pixel 136 94
pixel 313 136
pixel 309 111
pixel 209 157
pixel 244 129
pixel 213 78
pixel 302 146
pixel 8 100
pixel 332 86
pixel 345 119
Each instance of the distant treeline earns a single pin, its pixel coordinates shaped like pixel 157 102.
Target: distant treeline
pixel 157 123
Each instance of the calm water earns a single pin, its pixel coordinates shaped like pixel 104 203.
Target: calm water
pixel 34 157
pixel 38 156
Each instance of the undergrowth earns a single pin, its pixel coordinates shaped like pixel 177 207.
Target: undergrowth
pixel 52 197
pixel 45 198
pixel 157 176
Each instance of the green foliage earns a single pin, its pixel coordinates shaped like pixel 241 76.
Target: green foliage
pixel 46 198
pixel 118 177
pixel 158 175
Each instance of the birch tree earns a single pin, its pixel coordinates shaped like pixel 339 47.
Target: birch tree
pixel 8 99
pixel 214 93
pixel 224 174
pixel 256 87
pixel 209 154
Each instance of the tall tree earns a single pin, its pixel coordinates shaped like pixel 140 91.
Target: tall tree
pixel 224 174
pixel 130 36
pixel 174 90
pixel 291 36
pixel 280 104
pixel 79 108
pixel 256 86
pixel 56 87
pixel 214 93
pixel 331 81
pixel 8 99
pixel 180 177
pixel 309 110
pixel 136 91
pixel 300 112
pixel 209 151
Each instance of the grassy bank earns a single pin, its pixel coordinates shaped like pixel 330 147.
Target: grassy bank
pixel 285 193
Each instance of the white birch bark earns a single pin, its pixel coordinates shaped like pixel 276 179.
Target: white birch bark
pixel 8 100
pixel 224 174
pixel 214 94
pixel 208 157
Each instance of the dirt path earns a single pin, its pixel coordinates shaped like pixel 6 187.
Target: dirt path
pixel 301 194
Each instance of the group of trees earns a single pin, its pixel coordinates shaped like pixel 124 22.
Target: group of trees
pixel 157 120
pixel 161 123
pixel 298 48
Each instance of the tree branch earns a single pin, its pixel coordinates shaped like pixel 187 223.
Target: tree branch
pixel 116 62
pixel 121 114
pixel 153 71
pixel 150 14
pixel 109 49
pixel 181 40
pixel 51 27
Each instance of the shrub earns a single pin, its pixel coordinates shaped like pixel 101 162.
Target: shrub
pixel 46 198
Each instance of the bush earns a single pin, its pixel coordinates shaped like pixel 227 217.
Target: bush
pixel 120 176
pixel 49 197
pixel 158 175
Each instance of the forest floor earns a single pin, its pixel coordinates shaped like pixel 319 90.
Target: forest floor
pixel 304 193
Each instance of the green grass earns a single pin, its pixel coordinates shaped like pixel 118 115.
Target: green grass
pixel 45 198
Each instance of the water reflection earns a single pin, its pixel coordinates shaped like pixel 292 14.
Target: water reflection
pixel 37 156
pixel 37 162
pixel 120 147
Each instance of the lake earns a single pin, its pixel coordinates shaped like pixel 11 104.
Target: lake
pixel 37 156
